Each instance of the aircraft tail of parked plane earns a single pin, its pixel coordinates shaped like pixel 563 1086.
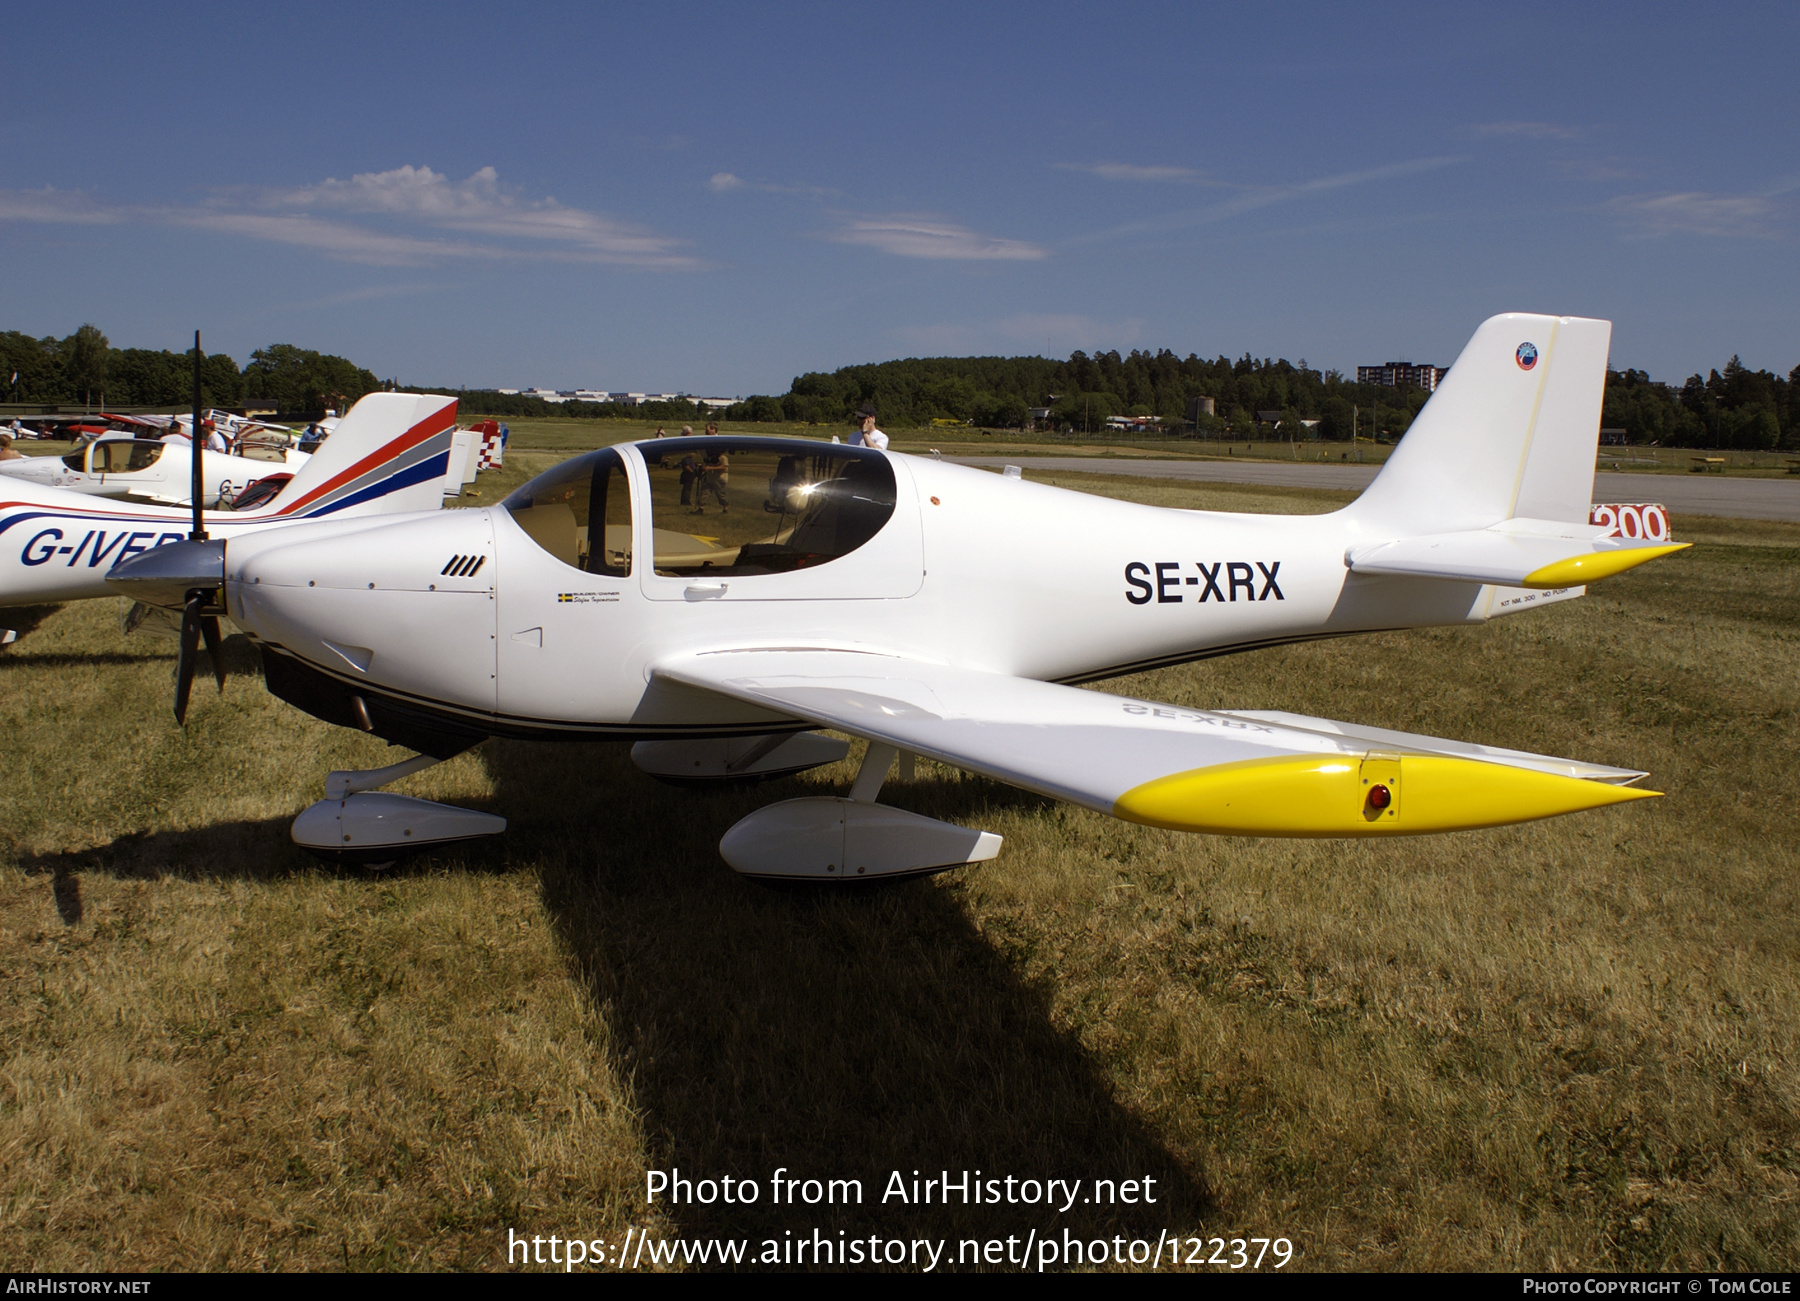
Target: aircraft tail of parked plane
pixel 1494 479
pixel 387 457
pixel 389 454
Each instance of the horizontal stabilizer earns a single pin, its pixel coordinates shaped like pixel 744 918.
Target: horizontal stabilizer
pixel 1187 769
pixel 1516 553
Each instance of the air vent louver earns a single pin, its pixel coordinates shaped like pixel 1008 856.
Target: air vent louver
pixel 462 566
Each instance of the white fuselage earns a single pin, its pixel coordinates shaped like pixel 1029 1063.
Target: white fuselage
pixel 146 469
pixel 983 571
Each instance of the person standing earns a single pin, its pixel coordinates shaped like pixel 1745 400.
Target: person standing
pixel 7 451
pixel 715 478
pixel 867 435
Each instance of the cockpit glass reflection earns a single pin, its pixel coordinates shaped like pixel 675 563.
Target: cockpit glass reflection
pixel 730 507
pixel 567 509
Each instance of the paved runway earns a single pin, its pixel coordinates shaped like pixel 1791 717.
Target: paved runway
pixel 1708 494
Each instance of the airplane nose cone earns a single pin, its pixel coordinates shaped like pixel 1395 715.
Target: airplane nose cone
pixel 165 575
pixel 376 605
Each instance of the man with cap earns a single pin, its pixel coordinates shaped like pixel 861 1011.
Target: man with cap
pixel 866 434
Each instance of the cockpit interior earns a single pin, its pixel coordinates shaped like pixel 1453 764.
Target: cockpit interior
pixel 719 506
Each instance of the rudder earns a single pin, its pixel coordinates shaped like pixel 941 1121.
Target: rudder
pixel 388 454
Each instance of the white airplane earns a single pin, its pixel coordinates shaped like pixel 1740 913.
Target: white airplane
pixel 934 610
pixel 154 470
pixel 389 454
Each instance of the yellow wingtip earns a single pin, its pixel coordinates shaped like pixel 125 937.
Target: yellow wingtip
pixel 1327 796
pixel 1595 565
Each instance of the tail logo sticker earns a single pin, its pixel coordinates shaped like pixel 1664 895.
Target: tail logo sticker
pixel 1527 355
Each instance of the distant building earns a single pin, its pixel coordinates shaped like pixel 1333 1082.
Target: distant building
pixel 1396 373
pixel 1198 407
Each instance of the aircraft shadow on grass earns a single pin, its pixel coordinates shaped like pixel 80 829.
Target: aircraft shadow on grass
pixel 25 619
pixel 841 1032
pixel 242 851
pixel 242 658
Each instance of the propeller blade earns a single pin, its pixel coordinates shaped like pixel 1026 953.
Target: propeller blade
pixel 184 666
pixel 199 452
pixel 209 629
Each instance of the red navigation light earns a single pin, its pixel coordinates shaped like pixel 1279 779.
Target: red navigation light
pixel 1380 797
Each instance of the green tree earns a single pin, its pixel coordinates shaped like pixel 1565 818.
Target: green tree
pixel 38 365
pixel 85 354
pixel 300 380
pixel 1336 417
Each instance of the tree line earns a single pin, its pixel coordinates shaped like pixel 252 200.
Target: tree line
pixel 1251 397
pixel 85 368
pixel 1735 408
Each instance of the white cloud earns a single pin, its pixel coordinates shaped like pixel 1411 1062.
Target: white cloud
pixel 1250 198
pixel 922 238
pixel 480 206
pixel 412 215
pixel 1133 172
pixel 339 240
pixel 723 182
pixel 55 207
pixel 1693 213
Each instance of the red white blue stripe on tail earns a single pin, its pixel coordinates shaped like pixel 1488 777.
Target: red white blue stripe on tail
pixel 388 455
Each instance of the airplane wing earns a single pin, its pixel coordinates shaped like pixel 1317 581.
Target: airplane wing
pixel 1187 769
pixel 156 498
pixel 1516 553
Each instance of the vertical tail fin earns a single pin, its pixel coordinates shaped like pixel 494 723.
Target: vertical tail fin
pixel 1510 432
pixel 388 454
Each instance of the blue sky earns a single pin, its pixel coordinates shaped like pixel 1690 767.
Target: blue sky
pixel 713 198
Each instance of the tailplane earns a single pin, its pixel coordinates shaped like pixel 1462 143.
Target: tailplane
pixel 1494 480
pixel 389 454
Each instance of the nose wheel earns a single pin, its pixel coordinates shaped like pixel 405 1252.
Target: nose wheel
pixel 357 824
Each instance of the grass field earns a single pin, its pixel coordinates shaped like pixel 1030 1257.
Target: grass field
pixel 1566 1045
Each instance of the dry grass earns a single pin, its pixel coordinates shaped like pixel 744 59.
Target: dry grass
pixel 1571 1044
